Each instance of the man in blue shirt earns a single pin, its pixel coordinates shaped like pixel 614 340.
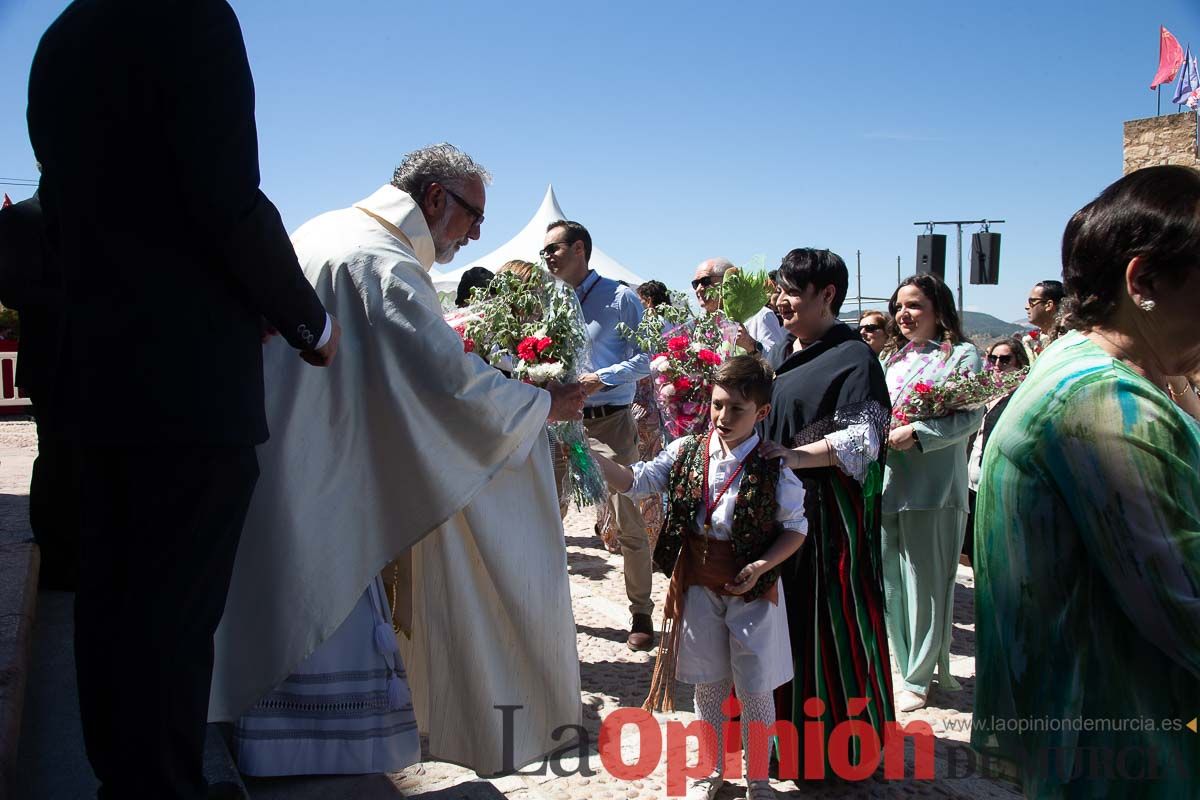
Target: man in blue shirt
pixel 618 364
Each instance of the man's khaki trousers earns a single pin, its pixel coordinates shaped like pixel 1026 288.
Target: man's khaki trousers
pixel 615 436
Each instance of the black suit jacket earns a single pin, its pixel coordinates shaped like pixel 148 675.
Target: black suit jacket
pixel 141 113
pixel 30 285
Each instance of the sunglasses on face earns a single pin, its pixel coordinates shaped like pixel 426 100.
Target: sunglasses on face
pixel 869 328
pixel 1001 361
pixel 1033 301
pixel 553 248
pixel 706 281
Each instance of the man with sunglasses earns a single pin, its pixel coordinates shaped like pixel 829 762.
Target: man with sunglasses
pixel 759 333
pixel 1042 308
pixel 617 365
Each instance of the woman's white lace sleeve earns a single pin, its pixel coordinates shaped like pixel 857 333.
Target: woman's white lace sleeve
pixel 856 446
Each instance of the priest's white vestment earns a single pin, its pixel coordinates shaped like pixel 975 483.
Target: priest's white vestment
pixel 405 444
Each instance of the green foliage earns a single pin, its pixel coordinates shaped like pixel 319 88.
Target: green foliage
pixel 743 294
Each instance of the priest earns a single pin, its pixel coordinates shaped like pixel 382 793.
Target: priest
pixel 418 461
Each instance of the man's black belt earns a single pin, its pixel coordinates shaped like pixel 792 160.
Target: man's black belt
pixel 596 412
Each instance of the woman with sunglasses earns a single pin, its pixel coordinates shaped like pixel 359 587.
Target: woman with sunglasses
pixel 924 488
pixel 873 328
pixel 1087 548
pixel 1005 355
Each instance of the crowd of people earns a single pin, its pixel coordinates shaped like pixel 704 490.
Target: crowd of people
pixel 390 559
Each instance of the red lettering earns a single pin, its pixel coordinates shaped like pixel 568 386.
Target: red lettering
pixel 894 735
pixel 649 744
pixel 678 770
pixel 839 750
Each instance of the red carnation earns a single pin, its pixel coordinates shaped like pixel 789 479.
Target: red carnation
pixel 709 357
pixel 677 343
pixel 924 387
pixel 1035 334
pixel 527 349
pixel 683 383
pixel 543 343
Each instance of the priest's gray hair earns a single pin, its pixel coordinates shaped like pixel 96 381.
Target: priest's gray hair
pixel 438 163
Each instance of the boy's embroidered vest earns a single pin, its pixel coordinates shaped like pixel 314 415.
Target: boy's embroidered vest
pixel 754 526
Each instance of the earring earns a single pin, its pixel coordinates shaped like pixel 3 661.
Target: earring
pixel 1146 305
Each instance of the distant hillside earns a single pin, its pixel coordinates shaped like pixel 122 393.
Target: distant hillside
pixel 981 326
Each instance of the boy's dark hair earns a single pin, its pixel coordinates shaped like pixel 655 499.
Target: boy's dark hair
pixel 1052 290
pixel 750 376
pixel 575 233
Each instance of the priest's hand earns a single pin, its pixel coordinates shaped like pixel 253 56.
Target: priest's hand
pixel 591 383
pixel 903 438
pixel 323 356
pixel 566 402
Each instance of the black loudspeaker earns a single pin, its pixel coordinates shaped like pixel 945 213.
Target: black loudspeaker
pixel 931 254
pixel 985 258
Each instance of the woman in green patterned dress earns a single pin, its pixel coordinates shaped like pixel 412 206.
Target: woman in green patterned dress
pixel 1087 548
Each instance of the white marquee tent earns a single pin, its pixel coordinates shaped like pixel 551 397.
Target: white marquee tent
pixel 525 246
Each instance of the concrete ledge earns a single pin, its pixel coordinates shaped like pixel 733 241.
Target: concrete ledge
pixel 18 602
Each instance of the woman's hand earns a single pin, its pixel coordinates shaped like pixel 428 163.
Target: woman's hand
pixel 769 450
pixel 746 579
pixel 903 438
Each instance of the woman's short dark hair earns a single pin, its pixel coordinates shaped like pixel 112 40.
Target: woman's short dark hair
pixel 474 278
pixel 654 293
pixel 1153 213
pixel 804 267
pixel 949 327
pixel 748 375
pixel 1020 355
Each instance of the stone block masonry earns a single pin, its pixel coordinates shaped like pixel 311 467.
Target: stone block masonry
pixel 1169 139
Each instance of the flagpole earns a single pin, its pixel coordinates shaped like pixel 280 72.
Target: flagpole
pixel 1159 114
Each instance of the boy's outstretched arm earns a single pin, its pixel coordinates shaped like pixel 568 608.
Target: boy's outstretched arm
pixel 619 478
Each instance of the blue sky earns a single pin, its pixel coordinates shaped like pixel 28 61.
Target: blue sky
pixel 681 131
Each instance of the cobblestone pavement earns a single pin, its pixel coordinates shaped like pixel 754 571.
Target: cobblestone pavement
pixel 612 677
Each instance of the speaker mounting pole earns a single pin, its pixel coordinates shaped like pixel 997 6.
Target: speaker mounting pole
pixel 958 223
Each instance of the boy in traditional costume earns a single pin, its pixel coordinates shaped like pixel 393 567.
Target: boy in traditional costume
pixel 733 517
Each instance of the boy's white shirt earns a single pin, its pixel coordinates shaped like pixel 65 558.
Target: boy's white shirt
pixel 650 477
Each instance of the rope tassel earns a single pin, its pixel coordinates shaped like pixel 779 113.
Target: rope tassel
pixel 662 684
pixel 395 690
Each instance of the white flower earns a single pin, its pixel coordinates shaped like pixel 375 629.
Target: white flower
pixel 542 373
pixel 696 347
pixel 660 364
pixel 667 390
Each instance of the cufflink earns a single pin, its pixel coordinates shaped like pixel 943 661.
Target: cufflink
pixel 305 334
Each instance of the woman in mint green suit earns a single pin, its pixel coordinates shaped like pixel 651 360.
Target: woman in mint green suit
pixel 924 488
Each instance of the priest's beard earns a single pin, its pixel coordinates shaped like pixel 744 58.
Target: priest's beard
pixel 444 248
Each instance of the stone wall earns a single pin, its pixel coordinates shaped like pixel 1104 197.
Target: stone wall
pixel 1169 139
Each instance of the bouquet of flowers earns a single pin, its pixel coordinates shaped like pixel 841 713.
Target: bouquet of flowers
pixel 532 327
pixel 959 391
pixel 687 351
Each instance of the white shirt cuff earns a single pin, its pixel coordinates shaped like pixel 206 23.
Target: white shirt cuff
pixel 325 334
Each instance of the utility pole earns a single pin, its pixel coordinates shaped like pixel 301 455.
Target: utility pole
pixel 858 258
